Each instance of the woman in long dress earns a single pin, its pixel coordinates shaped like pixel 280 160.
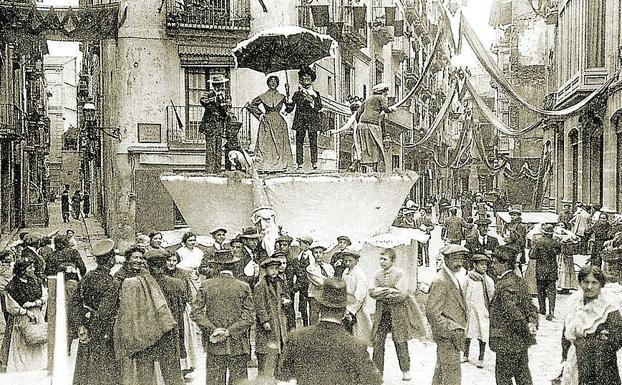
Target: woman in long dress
pixel 188 330
pixel 25 301
pixel 357 320
pixel 592 333
pixel 567 276
pixel 273 149
pixel 190 258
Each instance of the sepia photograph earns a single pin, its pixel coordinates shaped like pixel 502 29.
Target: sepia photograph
pixel 310 192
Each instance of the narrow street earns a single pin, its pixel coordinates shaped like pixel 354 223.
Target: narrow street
pixel 544 357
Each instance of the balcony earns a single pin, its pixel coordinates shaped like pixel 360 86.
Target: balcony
pixel 582 83
pixel 204 16
pixel 413 10
pixel 187 135
pixel 342 26
pixel 400 48
pixel 379 27
pixel 412 69
pixel 11 122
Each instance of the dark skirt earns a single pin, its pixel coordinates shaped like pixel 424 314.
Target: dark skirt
pixel 96 364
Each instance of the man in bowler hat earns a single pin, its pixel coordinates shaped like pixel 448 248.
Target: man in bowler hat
pixel 307 121
pixel 224 310
pixel 325 353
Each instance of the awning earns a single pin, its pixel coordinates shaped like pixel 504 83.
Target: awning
pixel 205 56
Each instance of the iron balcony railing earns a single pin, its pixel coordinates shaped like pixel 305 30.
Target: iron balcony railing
pixel 183 125
pixel 208 14
pixel 11 121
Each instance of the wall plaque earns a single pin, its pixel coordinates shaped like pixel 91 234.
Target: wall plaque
pixel 149 133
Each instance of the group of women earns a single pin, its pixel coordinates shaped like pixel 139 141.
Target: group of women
pixel 273 148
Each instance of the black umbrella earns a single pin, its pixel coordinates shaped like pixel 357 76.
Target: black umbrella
pixel 283 48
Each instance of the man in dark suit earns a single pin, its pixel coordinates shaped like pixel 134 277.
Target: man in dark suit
pixel 93 309
pixel 223 309
pixel 544 251
pixel 446 313
pixel 513 321
pixel 212 124
pixel 453 227
pixel 308 104
pixel 325 353
pixel 483 242
pixel 424 223
pixel 516 235
pixel 288 276
pixel 31 245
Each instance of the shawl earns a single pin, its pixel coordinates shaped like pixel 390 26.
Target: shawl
pixel 477 277
pixel 143 317
pixel 582 321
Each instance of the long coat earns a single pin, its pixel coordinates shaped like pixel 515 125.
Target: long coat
pixel 326 354
pixel 268 299
pixel 307 116
pixel 545 251
pixel 446 310
pixel 406 317
pixel 357 288
pixel 511 311
pixel 453 228
pixel 477 294
pixel 94 306
pixel 224 302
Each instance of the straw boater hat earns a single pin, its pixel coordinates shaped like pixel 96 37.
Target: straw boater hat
pixel 515 210
pixel 318 247
pixel 379 88
pixel 217 229
pixel 306 239
pixel 218 78
pixel 333 293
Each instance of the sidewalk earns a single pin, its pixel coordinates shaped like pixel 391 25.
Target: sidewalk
pixel 85 230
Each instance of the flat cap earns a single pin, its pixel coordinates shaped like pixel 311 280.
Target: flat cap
pixel 285 238
pixel 155 254
pixel 480 257
pixel 344 238
pixel 102 248
pixel 453 249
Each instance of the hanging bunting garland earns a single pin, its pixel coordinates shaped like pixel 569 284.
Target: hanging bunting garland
pixel 479 145
pixel 493 69
pixel 440 117
pixel 426 68
pixel 493 119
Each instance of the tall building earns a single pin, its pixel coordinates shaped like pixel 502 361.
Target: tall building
pixel 24 129
pixel 520 47
pixel 145 87
pixel 61 73
pixel 584 53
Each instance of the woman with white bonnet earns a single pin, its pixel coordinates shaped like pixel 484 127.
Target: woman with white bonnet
pixel 369 118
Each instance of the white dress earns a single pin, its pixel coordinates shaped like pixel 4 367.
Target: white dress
pixel 357 288
pixel 478 318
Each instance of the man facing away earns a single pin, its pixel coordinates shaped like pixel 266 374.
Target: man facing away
pixel 513 321
pixel 224 310
pixel 325 353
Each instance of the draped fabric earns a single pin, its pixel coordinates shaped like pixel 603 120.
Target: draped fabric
pixel 493 119
pixel 426 68
pixel 439 118
pixel 497 74
pixel 479 145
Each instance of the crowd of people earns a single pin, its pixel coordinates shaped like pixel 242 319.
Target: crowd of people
pixel 302 310
pixel 77 205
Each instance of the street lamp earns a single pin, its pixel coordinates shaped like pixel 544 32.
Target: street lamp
pixel 90 117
